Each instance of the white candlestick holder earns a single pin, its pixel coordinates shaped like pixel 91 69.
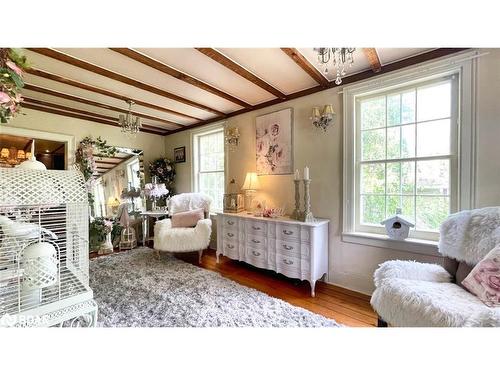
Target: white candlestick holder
pixel 308 216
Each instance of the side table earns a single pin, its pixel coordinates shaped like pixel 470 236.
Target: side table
pixel 145 223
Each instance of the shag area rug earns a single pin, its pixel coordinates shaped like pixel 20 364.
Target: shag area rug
pixel 135 289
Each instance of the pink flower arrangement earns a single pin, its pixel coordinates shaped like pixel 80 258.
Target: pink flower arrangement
pixel 155 190
pixel 11 82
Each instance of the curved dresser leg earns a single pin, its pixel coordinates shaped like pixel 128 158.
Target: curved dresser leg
pixel 313 285
pixel 217 258
pixel 200 254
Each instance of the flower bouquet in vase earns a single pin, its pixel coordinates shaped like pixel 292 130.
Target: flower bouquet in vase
pixel 155 191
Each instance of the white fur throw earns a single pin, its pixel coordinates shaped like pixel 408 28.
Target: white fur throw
pixel 410 270
pixel 189 201
pixel 182 239
pixel 469 235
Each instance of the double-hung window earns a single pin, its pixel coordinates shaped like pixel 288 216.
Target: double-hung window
pixel 208 158
pixel 408 144
pixel 406 155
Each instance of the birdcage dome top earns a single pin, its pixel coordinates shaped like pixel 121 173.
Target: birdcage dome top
pixel 39 187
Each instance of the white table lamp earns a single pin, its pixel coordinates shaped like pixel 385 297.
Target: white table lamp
pixel 251 185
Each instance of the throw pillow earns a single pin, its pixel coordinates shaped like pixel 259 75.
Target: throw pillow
pixel 484 279
pixel 187 219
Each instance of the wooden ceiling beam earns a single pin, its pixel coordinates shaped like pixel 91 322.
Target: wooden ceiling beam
pixel 84 86
pixel 155 64
pixel 372 56
pixel 238 69
pixel 306 66
pixel 44 90
pixel 84 115
pixel 59 56
pixel 430 55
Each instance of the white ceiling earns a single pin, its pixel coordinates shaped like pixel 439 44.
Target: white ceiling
pixel 271 65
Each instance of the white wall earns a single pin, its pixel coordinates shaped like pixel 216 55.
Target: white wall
pixel 350 265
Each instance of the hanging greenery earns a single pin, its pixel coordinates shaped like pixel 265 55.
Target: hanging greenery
pixel 12 66
pixel 88 149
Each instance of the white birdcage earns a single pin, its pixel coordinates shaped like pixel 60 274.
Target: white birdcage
pixel 44 261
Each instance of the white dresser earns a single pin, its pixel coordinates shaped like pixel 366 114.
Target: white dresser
pixel 293 248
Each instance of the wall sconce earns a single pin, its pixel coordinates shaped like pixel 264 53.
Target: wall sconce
pixel 232 136
pixel 325 119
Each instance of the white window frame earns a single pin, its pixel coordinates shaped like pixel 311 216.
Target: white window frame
pixel 463 184
pixel 195 135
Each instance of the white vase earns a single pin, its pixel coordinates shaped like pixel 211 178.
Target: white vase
pixel 107 246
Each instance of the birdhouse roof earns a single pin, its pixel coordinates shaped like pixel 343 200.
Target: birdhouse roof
pixel 399 218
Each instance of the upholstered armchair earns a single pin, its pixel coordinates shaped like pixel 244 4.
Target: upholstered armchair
pixel 412 294
pixel 184 239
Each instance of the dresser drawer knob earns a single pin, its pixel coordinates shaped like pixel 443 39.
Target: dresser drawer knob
pixel 255 241
pixel 256 253
pixel 256 228
pixel 287 247
pixel 229 246
pixel 288 262
pixel 230 234
pixel 287 232
pixel 230 222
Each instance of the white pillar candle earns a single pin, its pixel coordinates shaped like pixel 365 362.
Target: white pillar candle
pixel 306 173
pixel 297 175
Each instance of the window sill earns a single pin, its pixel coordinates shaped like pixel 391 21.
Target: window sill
pixel 411 245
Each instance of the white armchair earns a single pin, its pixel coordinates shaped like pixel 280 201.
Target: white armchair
pixel 176 240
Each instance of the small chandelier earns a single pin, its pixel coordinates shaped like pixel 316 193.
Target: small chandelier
pixel 130 125
pixel 342 58
pixel 325 119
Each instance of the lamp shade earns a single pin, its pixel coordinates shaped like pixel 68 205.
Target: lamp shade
pixel 251 182
pixel 328 110
pixel 315 112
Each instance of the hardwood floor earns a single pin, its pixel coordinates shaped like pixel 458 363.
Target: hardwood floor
pixel 346 307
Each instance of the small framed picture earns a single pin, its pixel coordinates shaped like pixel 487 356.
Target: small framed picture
pixel 180 154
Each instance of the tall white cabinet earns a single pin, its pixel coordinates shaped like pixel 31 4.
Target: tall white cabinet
pixel 290 247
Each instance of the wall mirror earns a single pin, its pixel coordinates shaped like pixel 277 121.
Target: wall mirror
pixel 123 171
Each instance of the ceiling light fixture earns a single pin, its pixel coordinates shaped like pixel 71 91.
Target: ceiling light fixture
pixel 130 125
pixel 342 59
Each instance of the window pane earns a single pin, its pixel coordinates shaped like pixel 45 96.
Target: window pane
pixel 433 177
pixel 212 184
pixel 434 102
pixel 406 203
pixel 408 107
pixel 373 144
pixel 373 113
pixel 393 178
pixel 393 110
pixel 372 209
pixel 408 141
pixel 433 138
pixel 393 142
pixel 373 178
pixel 431 211
pixel 401 178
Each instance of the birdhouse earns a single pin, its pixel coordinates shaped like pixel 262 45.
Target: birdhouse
pixel 397 226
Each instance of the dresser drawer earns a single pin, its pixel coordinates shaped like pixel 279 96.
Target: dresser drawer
pixel 256 257
pixel 293 248
pixel 255 227
pixel 230 249
pixel 292 232
pixel 291 266
pixel 230 222
pixel 257 242
pixel 230 234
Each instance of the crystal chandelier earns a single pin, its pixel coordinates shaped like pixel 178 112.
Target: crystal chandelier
pixel 130 125
pixel 342 58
